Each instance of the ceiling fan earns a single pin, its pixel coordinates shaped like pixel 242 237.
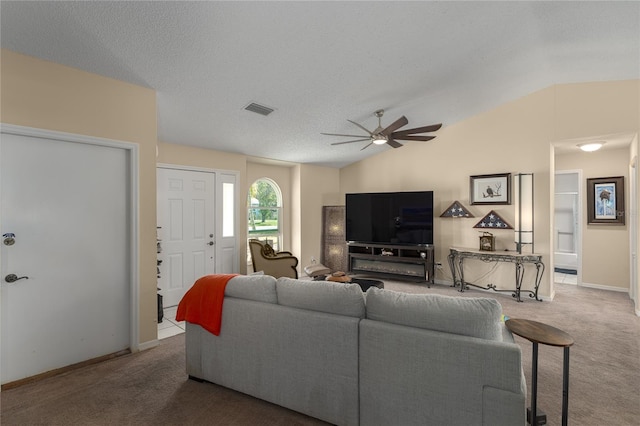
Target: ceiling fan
pixel 388 135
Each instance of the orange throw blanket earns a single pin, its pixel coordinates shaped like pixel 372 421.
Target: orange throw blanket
pixel 202 303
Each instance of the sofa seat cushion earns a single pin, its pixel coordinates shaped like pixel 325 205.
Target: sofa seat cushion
pixel 261 288
pixel 321 296
pixel 475 317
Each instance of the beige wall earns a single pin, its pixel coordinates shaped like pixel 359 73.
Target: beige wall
pixel 184 155
pixel 40 94
pixel 515 137
pixel 318 187
pixel 605 248
pixel 601 108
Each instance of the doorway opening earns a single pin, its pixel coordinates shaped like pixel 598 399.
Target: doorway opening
pixel 567 236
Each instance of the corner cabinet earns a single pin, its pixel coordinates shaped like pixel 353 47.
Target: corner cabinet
pixel 398 261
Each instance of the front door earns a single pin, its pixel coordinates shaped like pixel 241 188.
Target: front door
pixel 185 229
pixel 65 215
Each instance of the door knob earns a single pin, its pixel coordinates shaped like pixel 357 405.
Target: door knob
pixel 13 278
pixel 210 243
pixel 9 239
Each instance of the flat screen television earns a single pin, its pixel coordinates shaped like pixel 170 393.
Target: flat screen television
pixel 402 218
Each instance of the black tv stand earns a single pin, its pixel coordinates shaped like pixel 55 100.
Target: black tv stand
pixel 393 260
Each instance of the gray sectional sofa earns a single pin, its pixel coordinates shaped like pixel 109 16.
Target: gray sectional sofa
pixel 382 358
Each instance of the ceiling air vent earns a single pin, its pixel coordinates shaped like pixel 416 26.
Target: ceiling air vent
pixel 259 109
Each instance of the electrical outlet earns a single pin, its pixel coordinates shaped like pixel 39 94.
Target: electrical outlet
pixel 313 260
pixel 438 265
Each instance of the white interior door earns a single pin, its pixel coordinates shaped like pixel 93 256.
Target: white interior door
pixel 187 233
pixel 68 205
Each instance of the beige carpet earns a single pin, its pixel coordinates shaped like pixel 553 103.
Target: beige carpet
pixel 150 388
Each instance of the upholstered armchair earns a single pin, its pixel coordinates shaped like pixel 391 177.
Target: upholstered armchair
pixel 277 264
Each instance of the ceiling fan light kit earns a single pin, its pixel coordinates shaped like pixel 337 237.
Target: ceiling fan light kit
pixel 388 135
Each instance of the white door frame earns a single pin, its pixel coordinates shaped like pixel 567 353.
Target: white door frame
pixel 633 233
pixel 217 203
pixel 134 203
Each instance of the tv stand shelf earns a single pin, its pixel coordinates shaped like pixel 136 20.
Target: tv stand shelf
pixel 400 261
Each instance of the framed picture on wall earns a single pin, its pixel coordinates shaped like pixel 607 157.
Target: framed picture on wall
pixel 605 201
pixel 490 189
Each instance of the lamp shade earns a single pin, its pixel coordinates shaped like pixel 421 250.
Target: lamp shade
pixel 523 196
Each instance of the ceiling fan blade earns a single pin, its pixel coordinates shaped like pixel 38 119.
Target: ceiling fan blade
pixel 394 144
pixel 353 122
pixel 402 121
pixel 425 129
pixel 339 134
pixel 356 140
pixel 367 146
pixel 414 138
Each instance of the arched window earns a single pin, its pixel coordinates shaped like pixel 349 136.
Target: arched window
pixel 264 204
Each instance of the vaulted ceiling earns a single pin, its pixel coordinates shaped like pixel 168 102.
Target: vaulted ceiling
pixel 318 64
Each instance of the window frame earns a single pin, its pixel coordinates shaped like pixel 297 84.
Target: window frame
pixel 272 236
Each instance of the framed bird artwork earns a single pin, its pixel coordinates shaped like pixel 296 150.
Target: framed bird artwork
pixel 490 189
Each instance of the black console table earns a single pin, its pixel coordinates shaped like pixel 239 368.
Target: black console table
pixel 458 255
pixel 398 261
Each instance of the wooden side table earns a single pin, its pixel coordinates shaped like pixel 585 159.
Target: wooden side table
pixel 537 332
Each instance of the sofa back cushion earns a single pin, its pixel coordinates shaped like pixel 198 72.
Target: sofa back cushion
pixel 261 288
pixel 322 296
pixel 475 317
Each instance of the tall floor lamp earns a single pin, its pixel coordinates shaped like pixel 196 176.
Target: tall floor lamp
pixel 523 196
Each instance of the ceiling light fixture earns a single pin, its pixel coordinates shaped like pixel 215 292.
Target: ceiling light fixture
pixel 379 140
pixel 591 146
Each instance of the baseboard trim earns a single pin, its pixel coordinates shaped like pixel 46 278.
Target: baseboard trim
pixel 604 287
pixel 147 345
pixel 57 371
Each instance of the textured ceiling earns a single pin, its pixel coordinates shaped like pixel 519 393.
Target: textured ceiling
pixel 320 63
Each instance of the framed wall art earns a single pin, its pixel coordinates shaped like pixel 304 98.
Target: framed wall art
pixel 490 189
pixel 605 201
